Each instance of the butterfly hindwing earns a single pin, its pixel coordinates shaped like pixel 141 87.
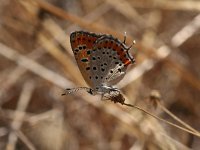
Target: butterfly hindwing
pixel 109 61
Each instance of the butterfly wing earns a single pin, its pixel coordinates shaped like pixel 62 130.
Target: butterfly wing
pixel 82 44
pixel 109 61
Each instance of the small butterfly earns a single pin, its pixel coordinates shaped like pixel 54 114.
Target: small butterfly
pixel 102 61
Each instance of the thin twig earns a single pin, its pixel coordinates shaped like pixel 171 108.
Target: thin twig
pixel 35 67
pixel 12 77
pixel 18 119
pixel 177 119
pixel 183 5
pixel 163 120
pixel 187 31
pixel 79 20
pixel 162 53
pixel 60 57
pixel 24 139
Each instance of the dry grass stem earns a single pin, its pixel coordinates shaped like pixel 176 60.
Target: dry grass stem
pixel 37 64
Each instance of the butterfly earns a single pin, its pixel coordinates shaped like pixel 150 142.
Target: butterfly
pixel 102 61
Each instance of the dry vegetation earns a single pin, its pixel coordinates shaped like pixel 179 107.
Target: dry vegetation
pixel 37 64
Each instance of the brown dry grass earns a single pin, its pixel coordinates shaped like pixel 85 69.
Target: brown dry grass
pixel 36 64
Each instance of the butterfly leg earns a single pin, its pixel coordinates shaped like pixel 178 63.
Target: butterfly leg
pixel 72 90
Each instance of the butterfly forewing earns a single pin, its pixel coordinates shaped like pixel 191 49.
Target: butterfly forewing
pixel 82 44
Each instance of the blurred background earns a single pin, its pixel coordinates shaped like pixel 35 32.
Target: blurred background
pixel 37 64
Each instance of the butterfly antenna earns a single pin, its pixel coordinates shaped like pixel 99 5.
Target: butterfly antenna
pixel 73 90
pixel 124 38
pixel 133 43
pixel 132 59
